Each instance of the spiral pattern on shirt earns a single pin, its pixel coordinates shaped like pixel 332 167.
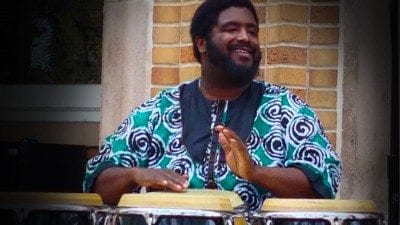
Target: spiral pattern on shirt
pixel 311 154
pixel 181 165
pixel 248 194
pixel 221 170
pixel 275 144
pixel 148 105
pixel 295 101
pixel 287 115
pixel 155 119
pixel 300 129
pixel 156 151
pixel 139 140
pixel 256 160
pixel 203 168
pixel 330 149
pixel 273 90
pixel 103 155
pixel 176 146
pixel 92 163
pixel 172 118
pixel 266 196
pixel 123 128
pixel 272 111
pixel 253 140
pixel 105 149
pixel 127 160
pixel 334 176
pixel 173 96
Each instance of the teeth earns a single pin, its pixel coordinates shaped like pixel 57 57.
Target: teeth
pixel 242 51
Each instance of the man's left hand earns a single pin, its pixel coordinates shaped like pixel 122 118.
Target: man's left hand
pixel 236 154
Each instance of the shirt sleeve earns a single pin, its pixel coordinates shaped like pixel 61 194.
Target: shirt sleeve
pixel 309 150
pixel 126 147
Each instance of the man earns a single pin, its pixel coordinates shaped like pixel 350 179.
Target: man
pixel 223 130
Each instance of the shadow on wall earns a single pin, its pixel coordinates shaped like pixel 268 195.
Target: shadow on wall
pixel 40 167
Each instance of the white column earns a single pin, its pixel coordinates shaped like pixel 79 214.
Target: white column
pixel 126 59
pixel 366 100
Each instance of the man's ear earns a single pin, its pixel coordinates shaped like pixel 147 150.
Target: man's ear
pixel 200 44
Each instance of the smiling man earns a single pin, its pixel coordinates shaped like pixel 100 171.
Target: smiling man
pixel 224 130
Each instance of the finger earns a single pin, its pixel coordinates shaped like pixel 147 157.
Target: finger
pixel 225 144
pixel 219 128
pixel 175 181
pixel 230 134
pixel 164 184
pixel 239 150
pixel 172 175
pixel 160 182
pixel 235 149
pixel 223 140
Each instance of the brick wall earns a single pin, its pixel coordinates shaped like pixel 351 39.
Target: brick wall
pixel 299 41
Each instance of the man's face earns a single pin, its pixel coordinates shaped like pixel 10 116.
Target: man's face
pixel 233 46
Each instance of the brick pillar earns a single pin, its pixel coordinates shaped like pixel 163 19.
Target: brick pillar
pixel 300 41
pixel 126 64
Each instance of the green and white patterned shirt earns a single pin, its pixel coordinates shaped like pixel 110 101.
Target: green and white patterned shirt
pixel 283 132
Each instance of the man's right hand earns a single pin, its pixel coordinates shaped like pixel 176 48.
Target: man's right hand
pixel 159 179
pixel 116 181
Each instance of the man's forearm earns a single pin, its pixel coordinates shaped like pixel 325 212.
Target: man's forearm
pixel 112 183
pixel 284 182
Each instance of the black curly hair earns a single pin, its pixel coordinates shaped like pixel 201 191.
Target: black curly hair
pixel 206 17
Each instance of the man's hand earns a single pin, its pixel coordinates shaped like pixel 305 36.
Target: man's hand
pixel 281 182
pixel 160 179
pixel 116 181
pixel 236 154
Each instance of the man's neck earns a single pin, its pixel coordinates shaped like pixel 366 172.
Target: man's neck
pixel 215 92
pixel 215 89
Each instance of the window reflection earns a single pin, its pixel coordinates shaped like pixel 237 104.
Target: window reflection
pixel 52 42
pixel 8 217
pixel 54 217
pixel 361 222
pixel 285 221
pixel 168 220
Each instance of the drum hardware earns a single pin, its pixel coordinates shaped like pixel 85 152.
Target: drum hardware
pixel 205 205
pixel 42 207
pixel 319 212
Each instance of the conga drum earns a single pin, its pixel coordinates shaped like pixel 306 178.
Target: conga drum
pixel 190 207
pixel 318 212
pixel 28 208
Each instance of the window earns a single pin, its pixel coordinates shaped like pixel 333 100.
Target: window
pixel 51 63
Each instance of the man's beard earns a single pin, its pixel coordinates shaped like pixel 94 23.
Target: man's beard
pixel 234 75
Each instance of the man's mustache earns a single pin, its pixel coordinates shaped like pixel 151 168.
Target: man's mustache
pixel 247 47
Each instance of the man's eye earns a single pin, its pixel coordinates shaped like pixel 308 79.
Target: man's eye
pixel 252 32
pixel 231 29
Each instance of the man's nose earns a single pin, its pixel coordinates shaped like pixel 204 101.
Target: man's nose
pixel 243 35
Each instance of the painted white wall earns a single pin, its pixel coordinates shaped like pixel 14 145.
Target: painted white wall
pixel 365 47
pixel 126 59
